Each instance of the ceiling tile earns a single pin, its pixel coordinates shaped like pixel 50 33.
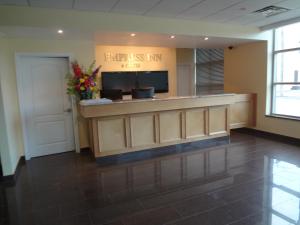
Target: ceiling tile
pixel 208 8
pixel 220 11
pixel 94 5
pixel 290 4
pixel 14 2
pixel 246 19
pixel 241 9
pixel 134 6
pixel 171 8
pixel 59 4
pixel 260 20
pixel 274 19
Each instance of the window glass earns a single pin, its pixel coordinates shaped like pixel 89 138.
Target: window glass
pixel 287 37
pixel 286 82
pixel 287 67
pixel 287 100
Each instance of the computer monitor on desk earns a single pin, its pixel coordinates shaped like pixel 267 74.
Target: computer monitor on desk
pixel 147 92
pixel 113 94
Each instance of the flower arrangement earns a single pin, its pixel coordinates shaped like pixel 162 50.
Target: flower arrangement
pixel 82 83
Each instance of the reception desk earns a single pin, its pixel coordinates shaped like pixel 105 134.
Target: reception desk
pixel 134 125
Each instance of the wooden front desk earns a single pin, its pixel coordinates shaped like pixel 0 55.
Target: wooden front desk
pixel 133 125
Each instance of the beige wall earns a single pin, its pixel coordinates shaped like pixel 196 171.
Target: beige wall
pixel 248 70
pixel 186 77
pixel 83 51
pixel 5 155
pixel 185 56
pixel 10 108
pixel 167 62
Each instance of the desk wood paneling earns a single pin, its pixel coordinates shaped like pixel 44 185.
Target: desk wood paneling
pixel 147 124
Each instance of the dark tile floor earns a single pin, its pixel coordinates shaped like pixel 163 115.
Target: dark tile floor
pixel 252 181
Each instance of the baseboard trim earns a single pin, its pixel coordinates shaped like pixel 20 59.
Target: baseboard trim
pixel 11 180
pixel 270 136
pixel 161 151
pixel 85 150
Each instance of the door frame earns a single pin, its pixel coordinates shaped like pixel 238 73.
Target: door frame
pixel 18 58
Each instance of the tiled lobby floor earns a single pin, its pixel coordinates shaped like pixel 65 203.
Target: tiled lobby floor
pixel 251 181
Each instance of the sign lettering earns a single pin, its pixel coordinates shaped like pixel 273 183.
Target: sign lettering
pixel 132 57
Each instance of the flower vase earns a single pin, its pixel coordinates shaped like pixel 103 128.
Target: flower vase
pixel 86 95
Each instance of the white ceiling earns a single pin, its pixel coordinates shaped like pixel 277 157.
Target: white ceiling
pixel 121 38
pixel 163 40
pixel 221 11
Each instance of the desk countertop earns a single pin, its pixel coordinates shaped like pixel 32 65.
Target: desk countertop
pixel 94 102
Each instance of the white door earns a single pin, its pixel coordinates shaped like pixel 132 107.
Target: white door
pixel 46 108
pixel 185 81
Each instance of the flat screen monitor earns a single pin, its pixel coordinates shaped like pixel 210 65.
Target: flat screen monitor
pixel 156 79
pixel 125 81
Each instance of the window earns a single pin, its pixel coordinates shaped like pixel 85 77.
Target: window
pixel 286 71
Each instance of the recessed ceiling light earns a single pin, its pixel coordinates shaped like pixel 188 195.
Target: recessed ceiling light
pixel 172 37
pixel 206 38
pixel 60 31
pixel 133 35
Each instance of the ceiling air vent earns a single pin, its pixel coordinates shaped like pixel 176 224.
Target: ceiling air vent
pixel 271 11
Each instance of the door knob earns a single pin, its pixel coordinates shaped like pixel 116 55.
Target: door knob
pixel 68 110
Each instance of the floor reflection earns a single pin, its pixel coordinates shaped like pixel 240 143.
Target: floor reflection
pixel 251 181
pixel 283 193
pixel 166 172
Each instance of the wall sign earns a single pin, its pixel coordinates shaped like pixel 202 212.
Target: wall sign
pixel 132 60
